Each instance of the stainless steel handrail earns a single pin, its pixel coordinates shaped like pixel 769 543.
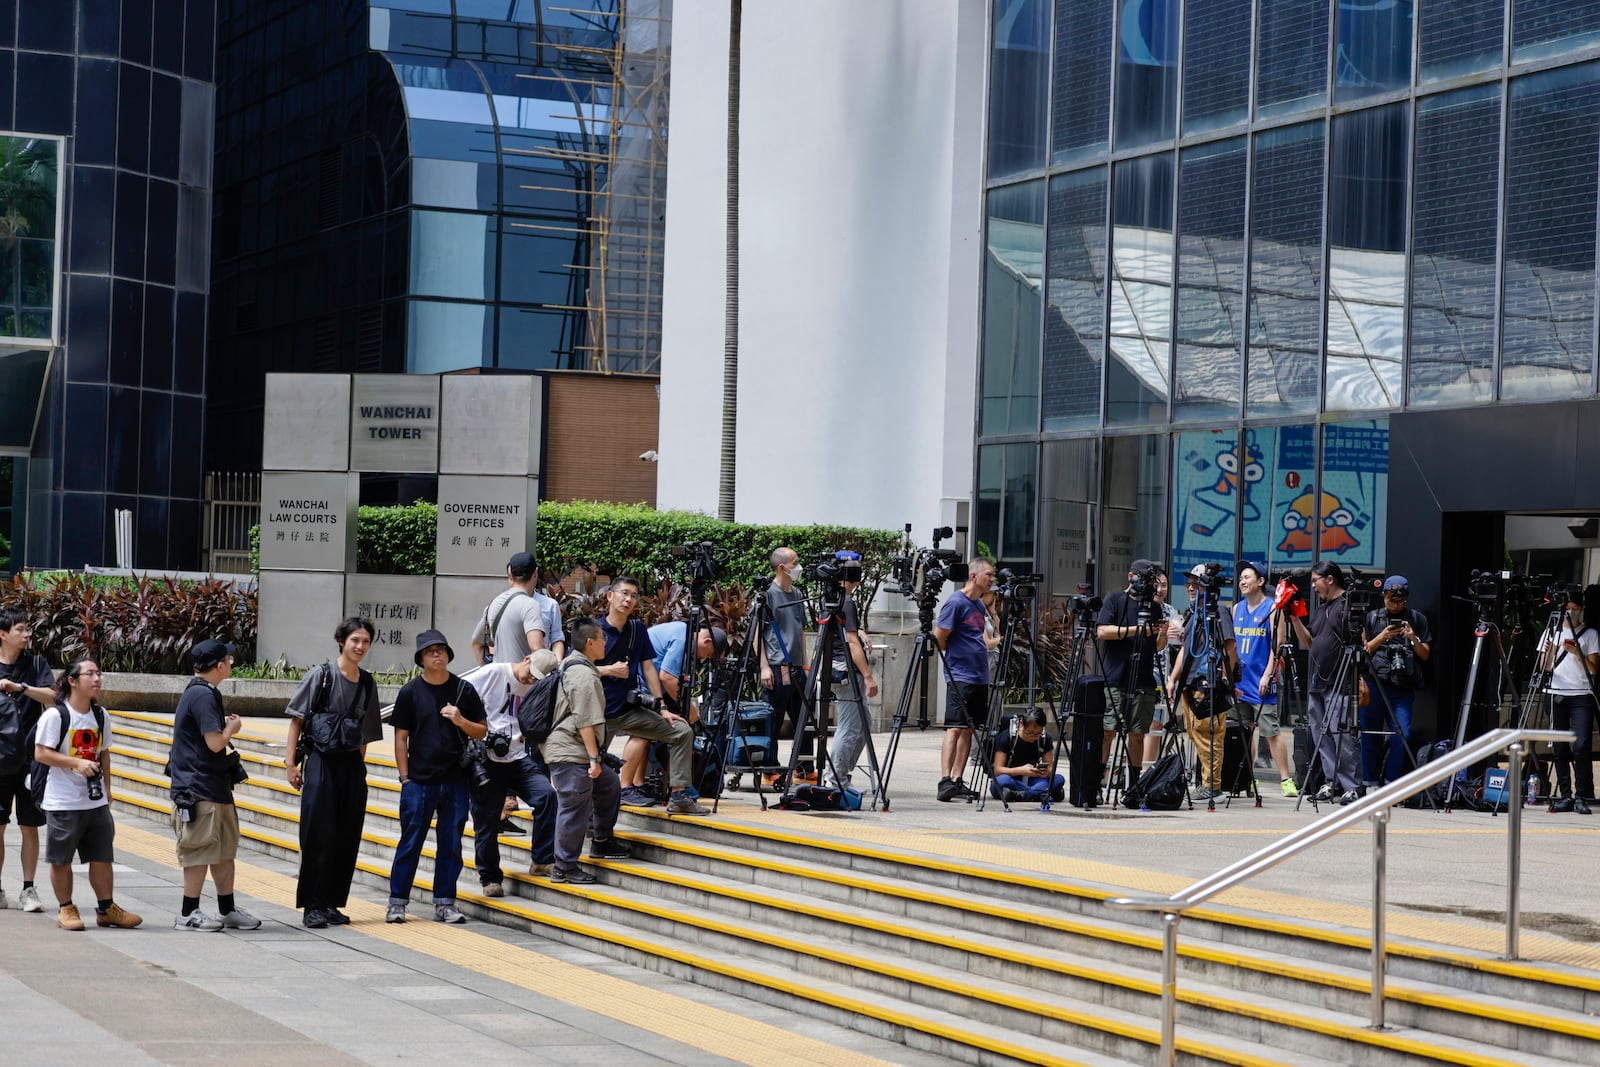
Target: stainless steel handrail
pixel 1375 806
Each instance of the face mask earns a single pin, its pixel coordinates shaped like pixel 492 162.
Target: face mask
pixel 796 572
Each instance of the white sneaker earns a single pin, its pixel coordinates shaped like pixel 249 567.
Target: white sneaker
pixel 197 920
pixel 239 919
pixel 28 899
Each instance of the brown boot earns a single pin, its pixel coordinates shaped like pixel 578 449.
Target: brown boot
pixel 68 918
pixel 115 916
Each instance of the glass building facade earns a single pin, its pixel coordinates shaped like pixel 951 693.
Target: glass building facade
pixel 105 178
pixel 1234 245
pixel 433 185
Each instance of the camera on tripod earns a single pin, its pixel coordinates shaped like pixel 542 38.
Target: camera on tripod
pixel 1504 593
pixel 832 568
pixel 922 572
pixel 702 561
pixel 1013 586
pixel 1212 577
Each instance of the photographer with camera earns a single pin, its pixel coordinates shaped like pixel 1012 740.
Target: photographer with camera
pixel 1572 658
pixel 203 768
pixel 851 672
pixel 1024 762
pixel 783 658
pixel 435 716
pixel 1327 712
pixel 667 640
pixel 959 632
pixel 1203 674
pixel 333 717
pixel 509 768
pixel 633 703
pixel 1131 627
pixel 1397 641
pixel 587 791
pixel 521 619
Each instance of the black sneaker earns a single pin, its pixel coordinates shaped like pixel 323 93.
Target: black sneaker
pixel 336 917
pixel 609 849
pixel 949 789
pixel 1014 796
pixel 1580 806
pixel 576 876
pixel 1562 805
pixel 511 829
pixel 314 919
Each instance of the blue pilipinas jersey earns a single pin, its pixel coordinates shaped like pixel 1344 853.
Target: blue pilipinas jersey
pixel 1252 633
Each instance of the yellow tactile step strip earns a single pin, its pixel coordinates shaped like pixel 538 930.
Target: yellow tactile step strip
pixel 1255 919
pixel 912 976
pixel 251 878
pixel 1399 991
pixel 685 1020
pixel 259 739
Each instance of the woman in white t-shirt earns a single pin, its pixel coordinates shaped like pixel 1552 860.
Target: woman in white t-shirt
pixel 1573 659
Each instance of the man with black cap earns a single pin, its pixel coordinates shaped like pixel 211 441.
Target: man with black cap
pixel 203 771
pixel 1398 643
pixel 521 619
pixel 434 717
pixel 1122 635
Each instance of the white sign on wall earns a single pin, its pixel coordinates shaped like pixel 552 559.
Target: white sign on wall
pixel 308 521
pixel 483 521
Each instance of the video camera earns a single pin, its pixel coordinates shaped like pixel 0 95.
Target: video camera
pixel 1506 593
pixel 1084 604
pixel 922 572
pixel 1212 577
pixel 702 561
pixel 834 567
pixel 1013 586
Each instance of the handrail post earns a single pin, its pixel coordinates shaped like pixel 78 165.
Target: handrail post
pixel 1169 988
pixel 1380 941
pixel 1513 849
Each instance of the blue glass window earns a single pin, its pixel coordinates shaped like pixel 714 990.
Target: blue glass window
pixel 1019 86
pixel 1547 332
pixel 1007 478
pixel 1374 48
pixel 1147 72
pixel 1210 324
pixel 1075 310
pixel 1291 56
pixel 1082 108
pixel 1461 37
pixel 1012 312
pixel 1216 64
pixel 1455 223
pixel 1141 290
pixel 452 254
pixel 535 339
pixel 538 266
pixel 1285 272
pixel 445 337
pixel 1549 27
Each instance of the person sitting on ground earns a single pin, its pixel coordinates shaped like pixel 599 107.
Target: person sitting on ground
pixel 1024 762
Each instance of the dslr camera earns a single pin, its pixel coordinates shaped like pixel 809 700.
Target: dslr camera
pixel 498 742
pixel 638 698
pixel 832 568
pixel 475 761
pixel 703 561
pixel 1212 577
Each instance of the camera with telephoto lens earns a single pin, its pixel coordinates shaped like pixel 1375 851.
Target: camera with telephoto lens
pixel 1506 595
pixel 638 698
pixel 475 761
pixel 1212 576
pixel 96 790
pixel 832 568
pixel 497 742
pixel 1013 586
pixel 921 572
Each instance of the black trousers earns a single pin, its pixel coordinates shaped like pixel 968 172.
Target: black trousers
pixel 786 699
pixel 333 808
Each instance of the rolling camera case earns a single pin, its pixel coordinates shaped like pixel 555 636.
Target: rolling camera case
pixel 1238 768
pixel 750 744
pixel 1088 732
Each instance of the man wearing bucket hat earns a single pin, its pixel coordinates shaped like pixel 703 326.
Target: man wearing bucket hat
pixel 434 717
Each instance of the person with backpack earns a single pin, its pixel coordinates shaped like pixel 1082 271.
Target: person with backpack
pixel 1024 762
pixel 587 791
pixel 26 684
pixel 435 716
pixel 204 769
pixel 333 717
pixel 519 621
pixel 512 768
pixel 1397 643
pixel 71 784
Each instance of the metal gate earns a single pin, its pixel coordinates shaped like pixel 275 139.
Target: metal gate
pixel 233 508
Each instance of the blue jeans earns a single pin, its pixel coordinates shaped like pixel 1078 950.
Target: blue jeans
pixel 528 780
pixel 1376 736
pixel 420 803
pixel 1036 788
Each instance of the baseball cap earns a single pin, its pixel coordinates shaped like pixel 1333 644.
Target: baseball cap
pixel 520 564
pixel 1197 571
pixel 719 641
pixel 543 662
pixel 208 653
pixel 1143 566
pixel 1259 568
pixel 1395 581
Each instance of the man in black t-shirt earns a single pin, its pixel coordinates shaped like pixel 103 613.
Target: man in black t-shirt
pixel 1124 639
pixel 203 816
pixel 1024 761
pixel 1328 714
pixel 434 717
pixel 27 680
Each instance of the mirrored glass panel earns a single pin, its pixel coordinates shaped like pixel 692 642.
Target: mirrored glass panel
pixel 1216 64
pixel 1135 515
pixel 1285 272
pixel 1007 484
pixel 1069 494
pixel 1141 290
pixel 1075 309
pixel 1367 260
pixel 1082 92
pixel 28 209
pixel 1550 27
pixel 1454 233
pixel 1019 85
pixel 1147 72
pixel 1374 48
pixel 1012 311
pixel 1210 330
pixel 1291 56
pixel 1461 37
pixel 443 337
pixel 452 254
pixel 1547 335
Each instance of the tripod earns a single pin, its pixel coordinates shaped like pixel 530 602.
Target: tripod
pixel 1542 689
pixel 923 650
pixel 1135 682
pixel 1341 720
pixel 1482 632
pixel 816 706
pixel 1083 638
pixel 984 733
pixel 1204 655
pixel 730 725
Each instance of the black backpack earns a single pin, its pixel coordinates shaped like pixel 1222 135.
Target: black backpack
pixel 39 776
pixel 1160 788
pixel 13 733
pixel 536 712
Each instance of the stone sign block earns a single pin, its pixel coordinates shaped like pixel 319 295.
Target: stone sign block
pixel 307 423
pixel 400 607
pixel 458 605
pixel 308 521
pixel 482 521
pixel 394 423
pixel 298 614
pixel 495 424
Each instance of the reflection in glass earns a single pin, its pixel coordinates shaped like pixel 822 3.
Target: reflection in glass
pixel 1013 277
pixel 1019 86
pixel 442 337
pixel 1216 64
pixel 1374 53
pixel 1136 506
pixel 1367 260
pixel 1547 334
pixel 1285 272
pixel 27 236
pixel 1075 312
pixel 452 254
pixel 1461 37
pixel 1007 479
pixel 1141 290
pixel 1454 225
pixel 1147 72
pixel 1210 329
pixel 1068 499
pixel 1550 27
pixel 1291 57
pixel 1082 89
